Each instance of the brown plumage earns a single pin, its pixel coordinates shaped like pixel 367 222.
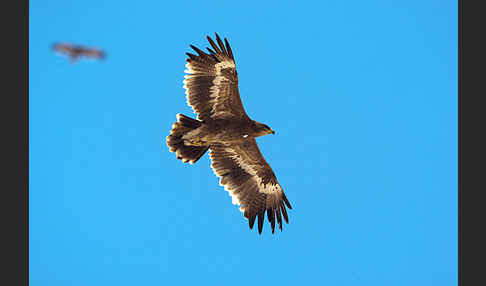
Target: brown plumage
pixel 74 52
pixel 223 127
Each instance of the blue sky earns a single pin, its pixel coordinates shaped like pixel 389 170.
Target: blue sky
pixel 362 96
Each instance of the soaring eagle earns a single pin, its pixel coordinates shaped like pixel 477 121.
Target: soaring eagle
pixel 76 51
pixel 223 127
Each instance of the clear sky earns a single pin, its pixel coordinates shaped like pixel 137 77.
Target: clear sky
pixel 362 96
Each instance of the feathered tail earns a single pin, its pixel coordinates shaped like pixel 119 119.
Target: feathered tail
pixel 175 142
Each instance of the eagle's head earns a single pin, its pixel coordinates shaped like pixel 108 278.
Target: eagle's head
pixel 262 129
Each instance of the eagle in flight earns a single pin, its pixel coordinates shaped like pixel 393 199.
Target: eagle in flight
pixel 75 51
pixel 223 127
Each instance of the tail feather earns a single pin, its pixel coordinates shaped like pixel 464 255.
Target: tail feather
pixel 175 142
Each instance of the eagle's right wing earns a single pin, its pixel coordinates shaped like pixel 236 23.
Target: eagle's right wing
pixel 250 181
pixel 212 83
pixel 93 53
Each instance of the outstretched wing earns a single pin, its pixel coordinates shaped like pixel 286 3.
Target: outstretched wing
pixel 93 53
pixel 251 182
pixel 212 82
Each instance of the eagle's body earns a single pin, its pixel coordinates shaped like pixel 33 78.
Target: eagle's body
pixel 223 127
pixel 223 131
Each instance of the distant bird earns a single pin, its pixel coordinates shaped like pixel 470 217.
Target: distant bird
pixel 75 51
pixel 223 127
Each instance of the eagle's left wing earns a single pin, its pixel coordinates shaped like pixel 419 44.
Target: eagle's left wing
pixel 250 181
pixel 63 48
pixel 212 82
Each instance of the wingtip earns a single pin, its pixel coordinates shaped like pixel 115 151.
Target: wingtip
pixel 284 212
pixel 216 36
pixel 271 218
pixel 198 51
pixel 261 218
pixel 286 201
pixel 251 220
pixel 221 44
pixel 230 52
pixel 213 45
